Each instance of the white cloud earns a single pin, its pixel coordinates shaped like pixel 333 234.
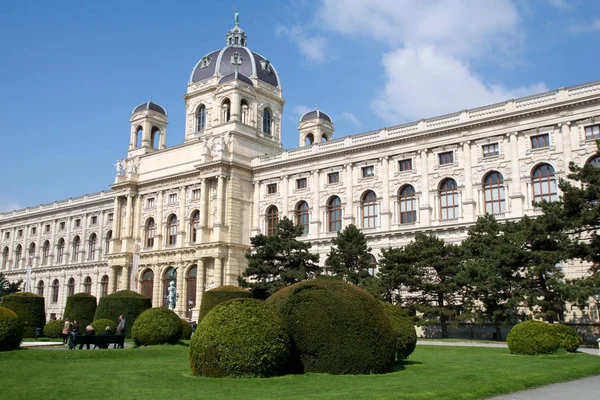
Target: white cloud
pixel 7 205
pixel 581 27
pixel 315 48
pixel 561 4
pixel 423 82
pixel 298 111
pixel 348 116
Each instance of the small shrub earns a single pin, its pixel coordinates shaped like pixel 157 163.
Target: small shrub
pixel 11 330
pixel 101 324
pixel 567 337
pixel 533 337
pixel 30 308
pixel 187 330
pixel 336 328
pixel 211 298
pixel 157 326
pixel 80 307
pixel 53 329
pixel 402 324
pixel 240 338
pixel 126 302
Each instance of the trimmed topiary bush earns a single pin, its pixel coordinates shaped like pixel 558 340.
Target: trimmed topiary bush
pixel 336 328
pixel 11 330
pixel 406 334
pixel 533 337
pixel 80 307
pixel 187 330
pixel 101 324
pixel 30 308
pixel 567 337
pixel 53 329
pixel 213 297
pixel 240 338
pixel 126 302
pixel 157 325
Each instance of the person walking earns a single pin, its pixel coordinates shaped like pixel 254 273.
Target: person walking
pixel 66 332
pixel 122 327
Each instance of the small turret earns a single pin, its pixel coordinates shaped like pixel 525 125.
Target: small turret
pixel 148 128
pixel 315 127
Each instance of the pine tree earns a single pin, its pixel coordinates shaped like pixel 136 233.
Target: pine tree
pixel 350 256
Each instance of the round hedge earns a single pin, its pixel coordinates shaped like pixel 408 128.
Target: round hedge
pixel 11 330
pixel 126 302
pixel 240 338
pixel 30 308
pixel 336 328
pixel 157 325
pixel 406 334
pixel 187 330
pixel 213 297
pixel 80 307
pixel 53 329
pixel 101 324
pixel 567 337
pixel 532 337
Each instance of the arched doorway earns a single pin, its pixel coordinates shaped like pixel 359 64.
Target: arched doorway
pixel 147 283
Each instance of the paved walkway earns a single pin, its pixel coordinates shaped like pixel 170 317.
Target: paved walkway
pixel 53 345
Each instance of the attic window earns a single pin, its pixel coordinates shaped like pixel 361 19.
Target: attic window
pixel 236 59
pixel 266 66
pixel 205 62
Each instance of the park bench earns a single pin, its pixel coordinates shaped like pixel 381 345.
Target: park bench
pixel 101 341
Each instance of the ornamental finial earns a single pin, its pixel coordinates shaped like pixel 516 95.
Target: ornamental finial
pixel 236 17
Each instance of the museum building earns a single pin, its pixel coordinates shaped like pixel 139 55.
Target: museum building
pixel 194 206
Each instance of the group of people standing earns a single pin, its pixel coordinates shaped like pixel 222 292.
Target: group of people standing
pixel 71 329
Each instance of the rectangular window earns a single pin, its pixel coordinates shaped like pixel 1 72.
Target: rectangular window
pixel 110 217
pixel 47 228
pixel 271 188
pixel 491 150
pixel 446 158
pixel 77 223
pixel 61 225
pixel 333 177
pixel 368 171
pixel 405 165
pixel 195 194
pixel 540 141
pixel 173 198
pixel 20 233
pixel 7 235
pixel 592 132
pixel 94 219
pixel 150 203
pixel 33 230
pixel 301 183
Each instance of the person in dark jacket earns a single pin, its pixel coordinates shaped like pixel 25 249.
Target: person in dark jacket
pixel 89 331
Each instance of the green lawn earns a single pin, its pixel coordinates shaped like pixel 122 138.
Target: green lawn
pixel 162 372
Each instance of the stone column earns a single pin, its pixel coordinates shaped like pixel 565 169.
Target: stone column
pixel 218 271
pixel 220 200
pixel 128 214
pixel 116 226
pixel 85 240
pixel 125 278
pixel 565 132
pixel 204 203
pixel 200 279
pixel 285 196
pixel 38 249
pixel 137 215
pixel 112 280
pixel 52 250
pixel 349 211
pixel 469 202
pixel 181 304
pixel 235 106
pixel 315 217
pixel 182 217
pixel 156 298
pixel 158 238
pixel 68 244
pixel 516 195
pixel 425 209
pixel 101 244
pixel 386 214
pixel 256 207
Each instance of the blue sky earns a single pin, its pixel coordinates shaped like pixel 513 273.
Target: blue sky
pixel 72 71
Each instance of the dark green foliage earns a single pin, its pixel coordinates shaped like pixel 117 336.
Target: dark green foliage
pixel 404 329
pixel 30 308
pixel 53 329
pixel 101 324
pixel 80 307
pixel 126 302
pixel 533 337
pixel 186 333
pixel 567 336
pixel 278 260
pixel 157 325
pixel 240 338
pixel 213 297
pixel 7 287
pixel 349 255
pixel 11 330
pixel 335 327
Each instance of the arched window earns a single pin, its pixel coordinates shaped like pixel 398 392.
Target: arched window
pixel 334 214
pixel 190 282
pixel 595 161
pixel 544 183
pixel 107 242
pixel 302 218
pixel 71 287
pixel 30 254
pixel 87 285
pixel 372 265
pixel 40 288
pixel 266 121
pixel 150 232
pixel 172 230
pixel 60 250
pixel 92 246
pixel 369 210
pixel 55 286
pixel 448 199
pixel 45 252
pixel 18 255
pixel 166 282
pixel 76 245
pixel 309 139
pixel 272 220
pixel 407 201
pixel 494 194
pixel 201 118
pixel 244 109
pixel 147 283
pixel 139 134
pixel 194 226
pixel 104 286
pixel 226 110
pixel 155 137
pixel 5 257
